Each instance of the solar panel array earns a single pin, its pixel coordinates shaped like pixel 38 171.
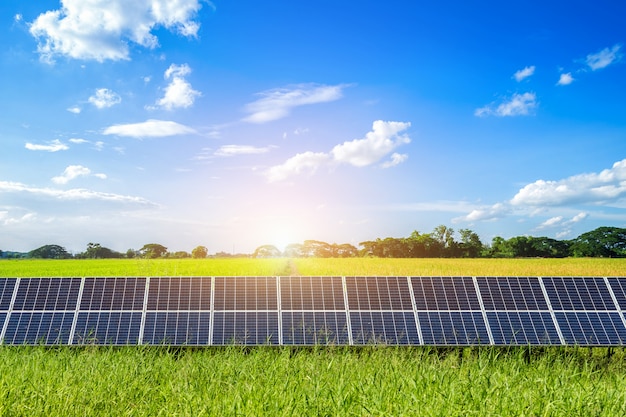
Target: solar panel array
pixel 204 311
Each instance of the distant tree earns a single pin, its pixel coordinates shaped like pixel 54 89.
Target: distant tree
pixel 153 250
pixel 606 242
pixel 294 250
pixel 50 252
pixel 470 245
pixel 199 252
pixel 178 255
pixel 344 250
pixel 266 251
pixel 131 253
pixel 97 251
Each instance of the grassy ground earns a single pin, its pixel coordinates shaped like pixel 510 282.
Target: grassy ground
pixel 311 382
pixel 314 266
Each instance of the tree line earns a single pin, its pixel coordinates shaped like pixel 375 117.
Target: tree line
pixel 442 242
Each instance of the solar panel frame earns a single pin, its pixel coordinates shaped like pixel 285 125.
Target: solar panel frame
pixel 522 328
pixel 7 287
pixel 445 294
pixel 246 328
pixel 384 327
pixel 618 287
pixel 512 293
pixel 115 328
pixel 378 293
pixel 592 328
pixel 309 328
pixel 574 293
pixel 38 328
pixel 179 328
pixel 51 294
pixel 103 293
pixel 453 328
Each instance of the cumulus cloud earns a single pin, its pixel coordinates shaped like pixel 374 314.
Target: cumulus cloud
pixel 565 79
pixel 604 58
pixel 70 195
pixel 102 29
pixel 103 98
pixel 560 221
pixel 53 146
pixel 592 188
pixel 278 103
pixel 518 105
pixel 298 164
pixel 74 109
pixel 149 129
pixel 233 150
pixel 179 92
pixel 75 171
pixel 524 73
pixel 384 138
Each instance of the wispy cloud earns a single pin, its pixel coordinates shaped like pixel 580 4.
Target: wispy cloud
pixel 74 109
pixel 233 150
pixel 517 105
pixel 102 30
pixel 524 73
pixel 73 172
pixel 604 58
pixel 104 98
pixel 384 138
pixel 565 79
pixel 486 213
pixel 278 103
pixel 562 222
pixel 179 93
pixel 53 146
pixel 72 194
pixel 149 129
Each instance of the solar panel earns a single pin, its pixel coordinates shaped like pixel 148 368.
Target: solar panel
pixel 202 311
pixel 445 293
pixel 578 294
pixel 314 328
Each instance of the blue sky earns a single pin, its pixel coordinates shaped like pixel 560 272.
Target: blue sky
pixel 232 124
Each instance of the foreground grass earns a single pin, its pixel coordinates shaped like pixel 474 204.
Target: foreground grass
pixel 314 266
pixel 311 382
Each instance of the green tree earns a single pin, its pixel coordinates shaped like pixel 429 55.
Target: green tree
pixel 470 245
pixel 153 250
pixel 50 252
pixel 199 252
pixel 266 251
pixel 606 242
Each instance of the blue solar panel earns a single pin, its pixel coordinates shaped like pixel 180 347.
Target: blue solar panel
pixel 618 285
pixel 592 328
pixel 47 294
pixel 384 327
pixel 245 328
pixel 314 328
pixel 378 293
pixel 113 294
pixel 453 328
pixel 34 328
pixel 511 293
pixel 6 292
pixel 177 328
pixel 107 328
pixel 445 293
pixel 203 311
pixel 311 293
pixel 522 328
pixel 578 293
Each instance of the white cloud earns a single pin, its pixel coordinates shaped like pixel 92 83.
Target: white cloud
pixel 104 98
pixel 592 188
pixel 18 18
pixel 565 79
pixel 179 92
pixel 517 105
pixel 276 104
pixel 78 141
pixel 524 73
pixel 149 129
pixel 70 173
pixel 396 159
pixel 74 109
pixel 302 162
pixel 70 195
pixel 604 58
pixel 494 212
pixel 551 222
pixel 102 29
pixel 384 138
pixel 232 150
pixel 53 146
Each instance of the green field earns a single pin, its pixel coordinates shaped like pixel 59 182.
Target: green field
pixel 314 266
pixel 324 381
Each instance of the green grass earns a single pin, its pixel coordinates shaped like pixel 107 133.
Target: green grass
pixel 311 382
pixel 314 266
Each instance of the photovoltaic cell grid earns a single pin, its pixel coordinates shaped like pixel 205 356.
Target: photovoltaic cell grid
pixel 206 311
